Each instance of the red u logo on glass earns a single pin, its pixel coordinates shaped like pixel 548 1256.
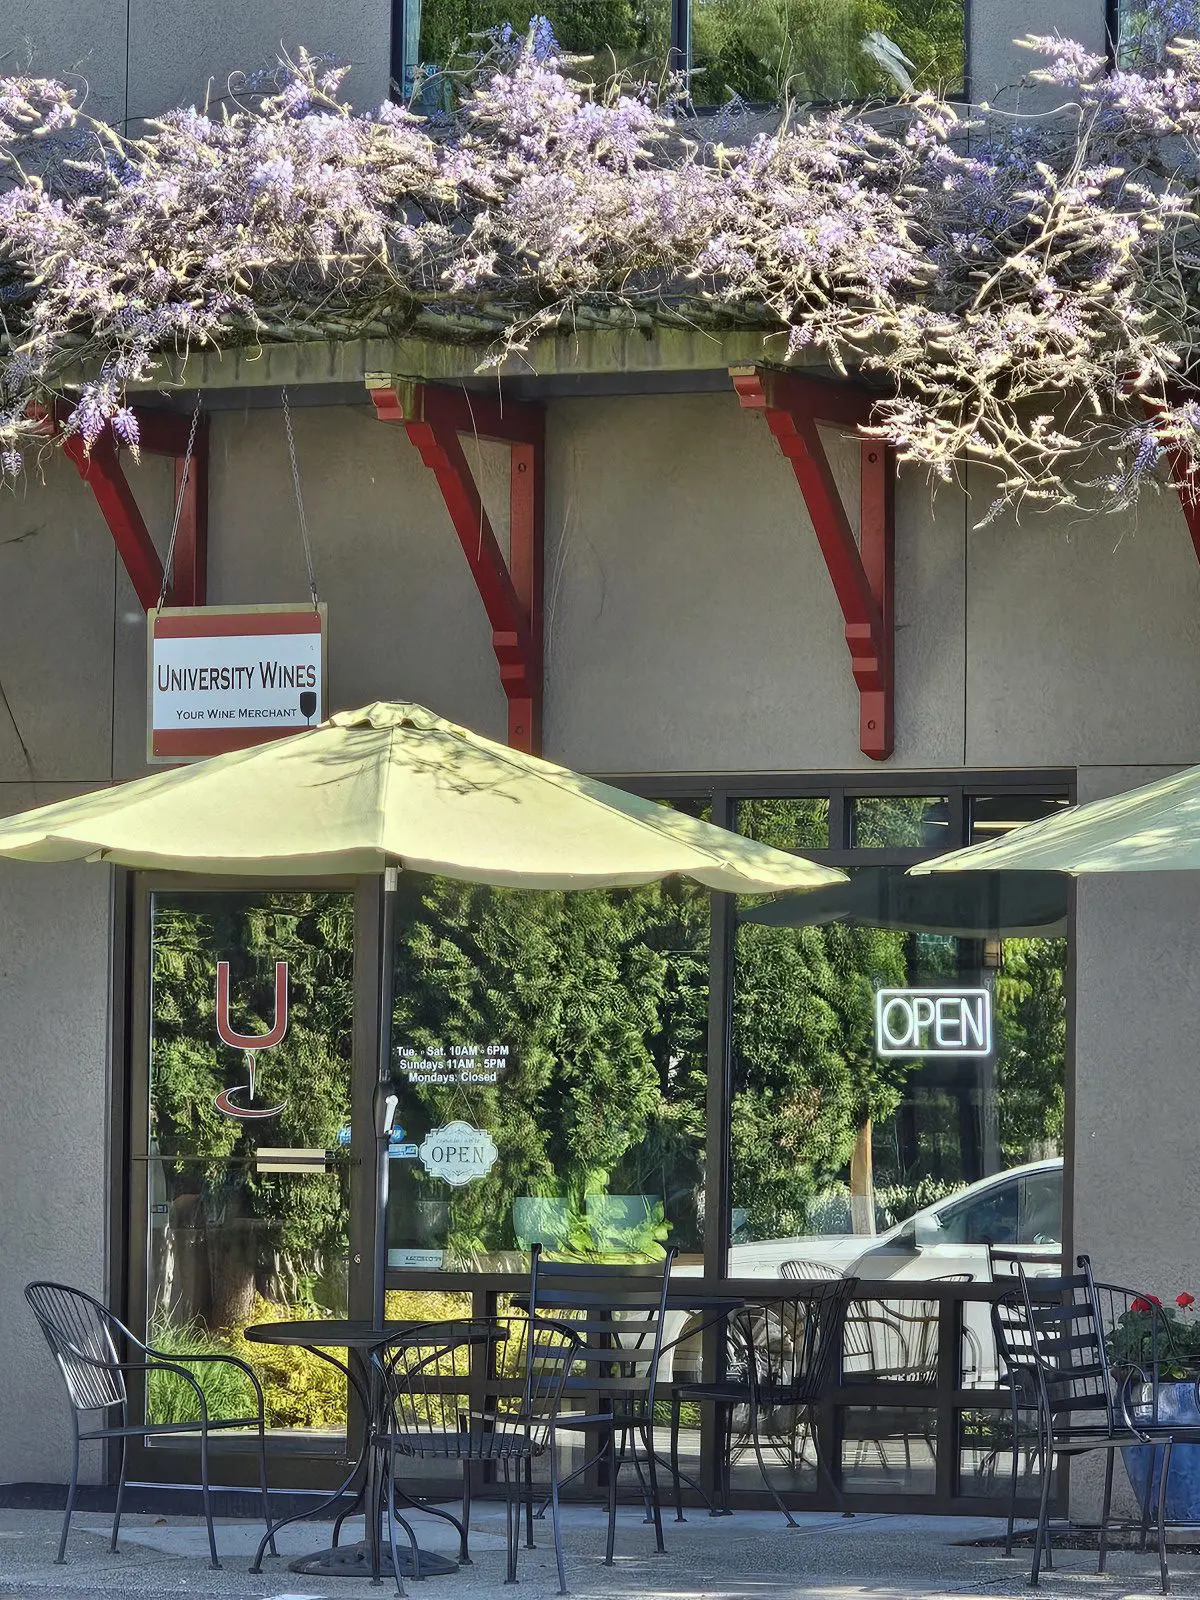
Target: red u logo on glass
pixel 250 1042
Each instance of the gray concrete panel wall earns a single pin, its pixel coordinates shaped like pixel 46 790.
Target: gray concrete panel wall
pixel 140 57
pixel 185 50
pixel 86 39
pixel 55 966
pixel 691 621
pixel 1084 640
pixel 998 63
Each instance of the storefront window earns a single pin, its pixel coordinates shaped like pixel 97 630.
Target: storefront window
pixel 756 50
pixel 596 38
pixel 898 1048
pixel 899 822
pixel 246 1138
pixel 805 50
pixel 550 1055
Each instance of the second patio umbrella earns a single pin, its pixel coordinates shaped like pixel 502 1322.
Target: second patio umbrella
pixel 1152 829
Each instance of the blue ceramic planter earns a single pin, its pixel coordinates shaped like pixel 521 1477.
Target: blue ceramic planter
pixel 1176 1403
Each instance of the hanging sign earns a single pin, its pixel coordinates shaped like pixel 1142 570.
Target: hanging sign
pixel 225 677
pixel 458 1153
pixel 933 1022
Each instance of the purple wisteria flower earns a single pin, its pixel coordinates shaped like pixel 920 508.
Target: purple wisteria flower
pixel 1011 285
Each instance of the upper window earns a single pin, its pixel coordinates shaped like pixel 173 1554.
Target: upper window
pixel 755 50
pixel 768 50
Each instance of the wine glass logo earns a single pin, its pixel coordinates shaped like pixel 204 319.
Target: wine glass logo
pixel 308 704
pixel 248 1043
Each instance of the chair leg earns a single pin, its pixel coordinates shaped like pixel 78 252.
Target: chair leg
pixel 1106 1508
pixel 391 1524
pixel 112 1546
pixel 206 1493
pixel 262 1475
pixel 1164 1575
pixel 1041 1536
pixel 1148 1497
pixel 464 1554
pixel 765 1475
pixel 529 1544
pixel 1016 1462
pixel 512 1518
pixel 613 1469
pixel 554 1517
pixel 61 1557
pixel 676 1411
pixel 655 1506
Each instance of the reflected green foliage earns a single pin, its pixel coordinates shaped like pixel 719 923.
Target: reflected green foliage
pixel 617 33
pixel 601 999
pixel 799 824
pixel 1031 1029
pixel 771 50
pixel 227 1391
pixel 898 822
pixel 806 1074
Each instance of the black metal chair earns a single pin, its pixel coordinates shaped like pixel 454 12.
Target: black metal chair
pixel 784 1355
pixel 1014 1348
pixel 617 1309
pixel 421 1374
pixel 95 1352
pixel 1085 1398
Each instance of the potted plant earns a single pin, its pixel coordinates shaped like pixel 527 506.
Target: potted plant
pixel 1155 1352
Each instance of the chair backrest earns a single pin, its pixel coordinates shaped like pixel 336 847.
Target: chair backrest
pixel 811 1271
pixel 1014 1341
pixel 83 1337
pixel 1066 1338
pixel 618 1312
pixel 425 1371
pixel 1003 1260
pixel 790 1342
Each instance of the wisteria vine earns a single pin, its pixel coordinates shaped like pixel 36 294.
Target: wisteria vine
pixel 1023 293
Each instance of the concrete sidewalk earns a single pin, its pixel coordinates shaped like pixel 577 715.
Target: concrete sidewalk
pixel 751 1556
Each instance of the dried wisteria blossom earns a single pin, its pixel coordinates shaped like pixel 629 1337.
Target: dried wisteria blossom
pixel 1026 297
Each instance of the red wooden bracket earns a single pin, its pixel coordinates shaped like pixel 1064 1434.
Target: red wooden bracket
pixel 511 590
pixel 163 433
pixel 1186 487
pixel 862 568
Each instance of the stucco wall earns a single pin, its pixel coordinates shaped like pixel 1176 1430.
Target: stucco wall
pixel 141 56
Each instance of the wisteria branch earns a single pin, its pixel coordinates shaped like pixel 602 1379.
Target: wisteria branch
pixel 1023 294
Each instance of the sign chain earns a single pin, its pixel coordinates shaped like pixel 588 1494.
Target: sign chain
pixel 300 517
pixel 183 483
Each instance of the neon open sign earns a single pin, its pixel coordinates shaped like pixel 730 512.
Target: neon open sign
pixel 933 1022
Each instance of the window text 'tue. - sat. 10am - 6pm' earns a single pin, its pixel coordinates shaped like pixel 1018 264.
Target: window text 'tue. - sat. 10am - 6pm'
pixel 455 1063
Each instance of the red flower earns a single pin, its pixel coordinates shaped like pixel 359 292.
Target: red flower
pixel 1144 1302
pixel 1185 1300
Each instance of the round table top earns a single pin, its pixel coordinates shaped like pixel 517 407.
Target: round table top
pixel 347 1333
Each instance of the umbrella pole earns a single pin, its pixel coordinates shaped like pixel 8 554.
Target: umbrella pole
pixel 386 1104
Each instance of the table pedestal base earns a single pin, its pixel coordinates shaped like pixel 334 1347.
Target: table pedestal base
pixel 354 1561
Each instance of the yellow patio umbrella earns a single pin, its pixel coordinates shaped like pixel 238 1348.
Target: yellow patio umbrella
pixel 1152 829
pixel 397 785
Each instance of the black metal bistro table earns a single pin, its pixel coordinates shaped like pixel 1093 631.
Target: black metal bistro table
pixel 369 1557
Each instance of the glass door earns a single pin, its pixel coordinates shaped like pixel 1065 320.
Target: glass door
pixel 243 1153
